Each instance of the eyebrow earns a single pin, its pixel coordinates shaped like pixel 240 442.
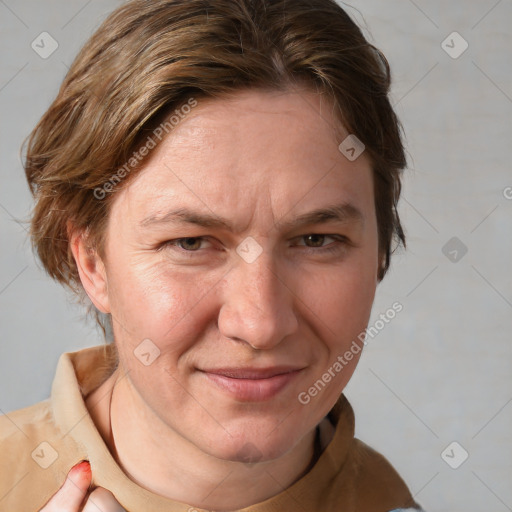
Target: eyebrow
pixel 344 212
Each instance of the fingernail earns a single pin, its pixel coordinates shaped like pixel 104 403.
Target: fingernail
pixel 83 467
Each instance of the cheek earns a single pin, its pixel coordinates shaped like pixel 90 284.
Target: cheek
pixel 148 301
pixel 171 308
pixel 341 297
pixel 340 307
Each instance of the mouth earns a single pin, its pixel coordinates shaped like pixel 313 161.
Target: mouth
pixel 252 384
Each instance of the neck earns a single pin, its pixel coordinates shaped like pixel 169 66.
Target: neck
pixel 159 459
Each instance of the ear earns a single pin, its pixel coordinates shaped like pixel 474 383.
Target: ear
pixel 91 269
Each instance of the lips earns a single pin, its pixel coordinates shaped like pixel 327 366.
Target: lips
pixel 252 373
pixel 252 384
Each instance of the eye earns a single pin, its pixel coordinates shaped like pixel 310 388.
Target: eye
pixel 320 243
pixel 188 244
pixel 316 240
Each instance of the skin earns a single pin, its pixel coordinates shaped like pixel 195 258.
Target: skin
pixel 258 160
pixel 75 494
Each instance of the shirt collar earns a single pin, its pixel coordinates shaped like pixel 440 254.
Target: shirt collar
pixel 79 373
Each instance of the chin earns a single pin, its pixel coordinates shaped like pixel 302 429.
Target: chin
pixel 256 441
pixel 252 451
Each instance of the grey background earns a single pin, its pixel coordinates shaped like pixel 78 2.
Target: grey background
pixel 437 373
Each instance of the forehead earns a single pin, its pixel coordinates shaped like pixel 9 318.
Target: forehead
pixel 255 150
pixel 297 115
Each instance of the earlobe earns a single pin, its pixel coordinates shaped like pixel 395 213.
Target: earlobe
pixel 91 270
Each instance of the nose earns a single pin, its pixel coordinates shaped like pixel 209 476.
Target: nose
pixel 257 305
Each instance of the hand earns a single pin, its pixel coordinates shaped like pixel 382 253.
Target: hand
pixel 75 495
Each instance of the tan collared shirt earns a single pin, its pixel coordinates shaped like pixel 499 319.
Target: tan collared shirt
pixel 40 443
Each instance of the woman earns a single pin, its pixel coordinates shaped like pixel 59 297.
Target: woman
pixel 220 179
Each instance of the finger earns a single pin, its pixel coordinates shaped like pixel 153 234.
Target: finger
pixel 71 495
pixel 102 500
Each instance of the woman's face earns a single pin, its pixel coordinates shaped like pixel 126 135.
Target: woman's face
pixel 212 255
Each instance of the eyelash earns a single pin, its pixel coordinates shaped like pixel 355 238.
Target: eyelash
pixel 341 242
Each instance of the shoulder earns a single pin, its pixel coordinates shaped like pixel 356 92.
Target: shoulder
pixel 34 455
pixel 378 482
pixel 363 476
pixel 23 421
pixel 21 429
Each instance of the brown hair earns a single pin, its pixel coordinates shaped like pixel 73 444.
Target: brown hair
pixel 150 56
